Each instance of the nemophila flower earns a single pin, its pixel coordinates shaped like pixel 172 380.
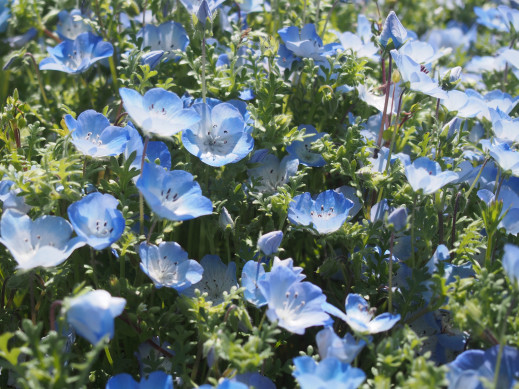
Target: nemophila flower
pixel 454 35
pixel 471 103
pixel 203 9
pixel 360 43
pixel 506 157
pixel 393 31
pixel 225 220
pixel 43 242
pixel 254 380
pixel 158 112
pixel 97 220
pixel 505 128
pixel 225 384
pixel 269 243
pixel 10 199
pixel 293 304
pixel 490 18
pixel 76 56
pixel 329 373
pixel 306 43
pixel 351 194
pixel 216 279
pixel 511 263
pixel 157 151
pixel 326 214
pixel 422 52
pixel 71 24
pixel 427 175
pixel 252 273
pixel 472 367
pixel 359 316
pixel 18 41
pixel 344 349
pixel 168 265
pixel 270 171
pixel 93 135
pixel 302 150
pixel 172 195
pixel 92 314
pixel 156 380
pixel 510 17
pixel 417 76
pixel 163 39
pixel 5 13
pixel 222 135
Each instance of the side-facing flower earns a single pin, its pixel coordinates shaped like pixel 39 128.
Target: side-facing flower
pixel 43 242
pixel 203 9
pixel 93 135
pixel 156 380
pixel 164 38
pixel 331 345
pixel 158 111
pixel 360 318
pixel 271 172
pixel 221 136
pixel 76 56
pixel 302 150
pixel 97 220
pixel 251 274
pixel 393 31
pixel 269 243
pixel 427 175
pixel 511 263
pixel 505 128
pixel 10 199
pixel 295 305
pixel 172 195
pixel 217 279
pixel 168 265
pixel 156 150
pixel 506 157
pixel 92 314
pixel 326 214
pixel 329 373
pixel 71 24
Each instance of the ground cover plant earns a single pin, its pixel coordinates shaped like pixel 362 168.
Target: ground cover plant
pixel 237 194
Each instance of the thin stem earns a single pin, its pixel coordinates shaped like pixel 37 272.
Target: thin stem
pixel 31 292
pixel 204 87
pixel 304 13
pixel 390 275
pixel 151 230
pixel 37 71
pixel 108 356
pixel 317 11
pixel 384 113
pixel 415 196
pixel 52 314
pixel 454 218
pixel 501 346
pixel 476 179
pixel 440 227
pixel 93 262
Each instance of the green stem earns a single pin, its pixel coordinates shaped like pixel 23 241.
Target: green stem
pixel 113 72
pixel 502 341
pixel 38 75
pixel 413 217
pixel 304 13
pixel 317 11
pixel 204 87
pixel 390 275
pixel 476 179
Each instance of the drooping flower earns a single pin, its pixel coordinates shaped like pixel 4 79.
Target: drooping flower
pixel 158 112
pixel 222 136
pixel 271 172
pixel 43 242
pixel 97 220
pixel 511 263
pixel 71 24
pixel 163 39
pixel 156 380
pixel 168 265
pixel 359 316
pixel 203 9
pixel 252 273
pixel 217 279
pixel 306 43
pixel 326 214
pixel 93 135
pixel 510 17
pixel 269 243
pixel 92 314
pixel 471 367
pixel 506 157
pixel 329 373
pixel 156 150
pixel 10 199
pixel 172 195
pixel 302 149
pixel 331 345
pixel 427 175
pixel 76 56
pixel 393 31
pixel 295 305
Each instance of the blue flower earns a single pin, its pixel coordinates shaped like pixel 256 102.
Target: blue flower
pixel 10 199
pixel 217 279
pixel 307 43
pixel 329 373
pixel 511 263
pixel 168 265
pixel 221 137
pixel 156 380
pixel 393 31
pixel 71 24
pixel 252 273
pixel 163 39
pixel 472 366
pixel 203 9
pixel 426 175
pixel 506 157
pixel 254 380
pixel 97 220
pixel 359 43
pixel 76 56
pixel 43 242
pixel 302 150
pixel 158 112
pixel 326 214
pixel 271 172
pixel 92 314
pixel 331 345
pixel 293 304
pixel 156 150
pixel 510 17
pixel 225 384
pixel 490 18
pixel 172 195
pixel 510 209
pixel 351 194
pixel 269 243
pixel 5 14
pixel 505 128
pixel 359 316
pixel 93 135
